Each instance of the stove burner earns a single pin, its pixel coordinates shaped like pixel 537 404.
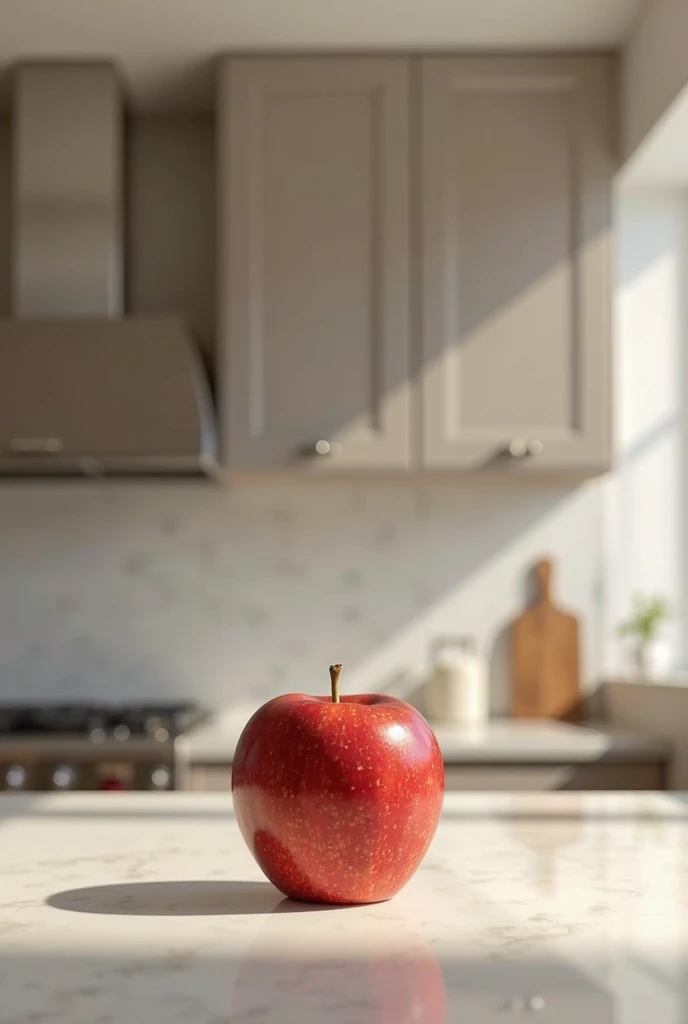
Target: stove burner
pixel 157 722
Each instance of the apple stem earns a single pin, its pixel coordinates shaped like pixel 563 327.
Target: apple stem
pixel 335 672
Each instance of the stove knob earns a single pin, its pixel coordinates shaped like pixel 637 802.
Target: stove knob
pixel 95 723
pixel 121 731
pixel 161 777
pixel 158 726
pixel 15 776
pixel 64 776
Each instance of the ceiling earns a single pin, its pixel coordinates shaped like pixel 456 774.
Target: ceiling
pixel 166 47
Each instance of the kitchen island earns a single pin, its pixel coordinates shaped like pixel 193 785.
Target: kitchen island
pixel 504 754
pixel 145 908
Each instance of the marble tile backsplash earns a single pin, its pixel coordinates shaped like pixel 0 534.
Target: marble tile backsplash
pixel 166 590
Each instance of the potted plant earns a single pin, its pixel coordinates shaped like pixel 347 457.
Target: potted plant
pixel 644 625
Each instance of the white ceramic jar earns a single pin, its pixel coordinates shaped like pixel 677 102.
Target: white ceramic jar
pixel 457 691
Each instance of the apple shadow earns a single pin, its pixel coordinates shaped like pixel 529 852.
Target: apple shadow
pixel 180 899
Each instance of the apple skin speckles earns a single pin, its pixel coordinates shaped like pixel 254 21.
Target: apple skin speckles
pixel 338 802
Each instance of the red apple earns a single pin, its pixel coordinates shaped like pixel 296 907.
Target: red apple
pixel 338 800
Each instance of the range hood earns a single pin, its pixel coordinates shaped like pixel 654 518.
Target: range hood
pixel 84 388
pixel 102 396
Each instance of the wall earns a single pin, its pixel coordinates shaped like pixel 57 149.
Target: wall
pixel 231 595
pixel 646 526
pixel 653 69
pixel 645 520
pixel 171 221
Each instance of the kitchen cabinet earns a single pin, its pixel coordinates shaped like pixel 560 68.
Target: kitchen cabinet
pixel 314 263
pixel 517 164
pixel 414 261
pixel 514 778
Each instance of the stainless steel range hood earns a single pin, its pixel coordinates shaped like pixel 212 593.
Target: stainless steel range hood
pixel 84 388
pixel 102 396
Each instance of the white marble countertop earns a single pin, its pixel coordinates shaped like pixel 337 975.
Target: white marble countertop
pixel 502 741
pixel 145 908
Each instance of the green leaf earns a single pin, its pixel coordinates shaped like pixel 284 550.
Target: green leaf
pixel 649 612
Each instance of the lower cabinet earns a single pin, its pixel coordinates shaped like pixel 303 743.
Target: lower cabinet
pixel 600 775
pixel 543 777
pixel 208 778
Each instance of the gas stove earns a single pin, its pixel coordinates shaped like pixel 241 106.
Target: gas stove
pixel 92 746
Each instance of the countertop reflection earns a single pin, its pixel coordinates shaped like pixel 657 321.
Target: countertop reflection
pixel 556 908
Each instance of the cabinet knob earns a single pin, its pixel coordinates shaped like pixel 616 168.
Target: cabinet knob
pixel 327 448
pixel 519 447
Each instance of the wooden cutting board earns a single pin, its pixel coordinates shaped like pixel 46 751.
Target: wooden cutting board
pixel 545 673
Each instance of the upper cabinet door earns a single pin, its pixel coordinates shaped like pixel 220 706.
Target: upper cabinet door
pixel 314 263
pixel 517 164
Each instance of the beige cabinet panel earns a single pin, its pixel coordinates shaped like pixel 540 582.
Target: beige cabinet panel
pixel 539 777
pixel 207 778
pixel 517 164
pixel 314 263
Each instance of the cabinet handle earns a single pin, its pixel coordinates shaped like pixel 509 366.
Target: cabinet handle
pixel 519 447
pixel 35 445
